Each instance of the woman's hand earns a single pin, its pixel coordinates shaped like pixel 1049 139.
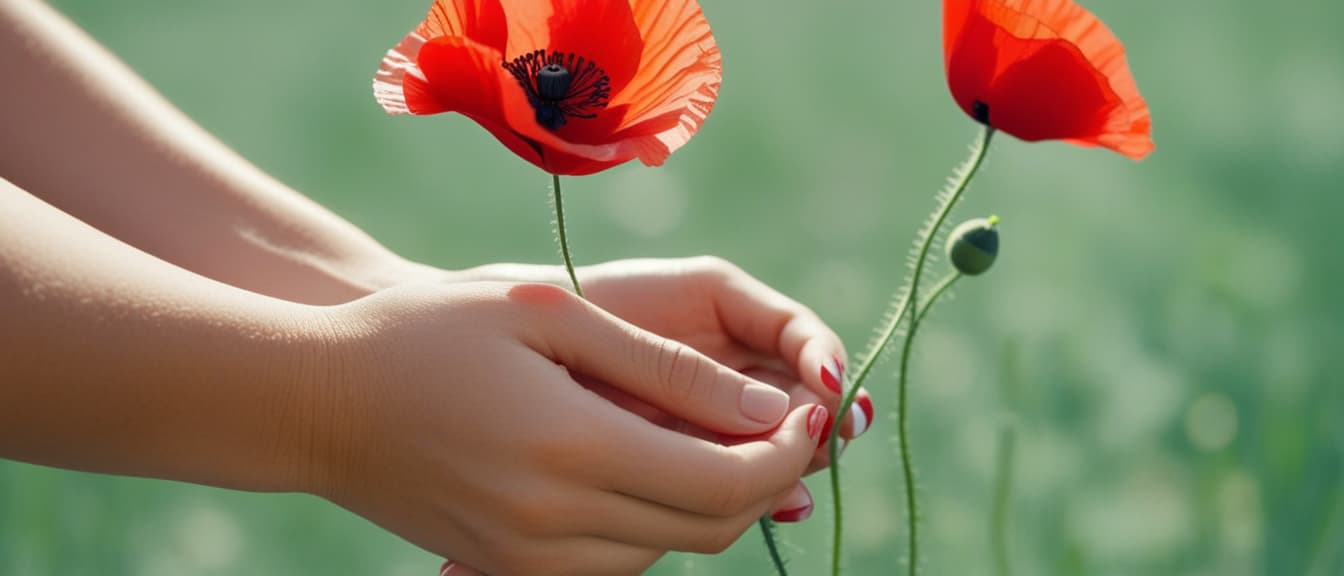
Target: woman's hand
pixel 721 311
pixel 458 422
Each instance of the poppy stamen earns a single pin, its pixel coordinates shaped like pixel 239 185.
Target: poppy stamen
pixel 561 86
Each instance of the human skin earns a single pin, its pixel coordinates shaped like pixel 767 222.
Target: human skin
pixel 446 413
pixel 167 187
pixel 203 315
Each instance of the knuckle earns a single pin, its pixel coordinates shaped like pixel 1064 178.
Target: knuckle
pixel 546 298
pixel 714 266
pixel 680 373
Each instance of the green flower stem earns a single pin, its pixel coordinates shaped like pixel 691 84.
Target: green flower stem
pixel 903 434
pixel 1003 488
pixel 895 315
pixel 768 532
pixel 938 290
pixel 560 233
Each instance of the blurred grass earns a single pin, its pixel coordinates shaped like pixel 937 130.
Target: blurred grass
pixel 1177 321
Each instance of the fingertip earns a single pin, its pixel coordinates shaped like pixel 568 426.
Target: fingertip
pixel 825 365
pixel 860 414
pixel 795 507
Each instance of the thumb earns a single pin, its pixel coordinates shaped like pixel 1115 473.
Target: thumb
pixel 665 373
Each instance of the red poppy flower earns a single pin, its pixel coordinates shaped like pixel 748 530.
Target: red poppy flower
pixel 573 86
pixel 1044 70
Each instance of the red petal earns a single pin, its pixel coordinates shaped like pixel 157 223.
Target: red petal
pixel 679 76
pixel 1047 69
pixel 465 77
pixel 602 31
pixel 400 86
pixel 482 21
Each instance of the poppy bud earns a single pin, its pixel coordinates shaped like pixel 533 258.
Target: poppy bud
pixel 973 245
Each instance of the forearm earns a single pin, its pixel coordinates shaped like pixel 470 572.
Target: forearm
pixel 113 361
pixel 87 135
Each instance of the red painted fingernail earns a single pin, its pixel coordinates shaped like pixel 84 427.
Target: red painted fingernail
pixel 832 372
pixel 797 515
pixel 826 430
pixel 799 506
pixel 815 420
pixel 862 413
pixel 447 568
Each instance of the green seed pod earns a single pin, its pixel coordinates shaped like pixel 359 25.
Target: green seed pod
pixel 973 245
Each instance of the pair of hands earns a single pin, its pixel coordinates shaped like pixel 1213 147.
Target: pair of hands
pixel 518 429
pixel 513 428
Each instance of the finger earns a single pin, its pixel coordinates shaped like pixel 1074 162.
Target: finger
pixel 638 522
pixel 858 420
pixel 662 372
pixel 703 477
pixel 589 556
pixel 775 324
pixel 795 507
pixel 860 417
pixel 575 555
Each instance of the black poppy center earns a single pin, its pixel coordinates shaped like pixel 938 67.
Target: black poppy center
pixel 561 86
pixel 980 111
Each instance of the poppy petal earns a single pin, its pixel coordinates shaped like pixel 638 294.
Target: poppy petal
pixel 482 21
pixel 1044 69
pixel 399 85
pixel 681 70
pixel 464 77
pixel 1128 128
pixel 600 31
pixel 389 83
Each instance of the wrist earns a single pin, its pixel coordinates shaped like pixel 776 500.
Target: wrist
pixel 324 423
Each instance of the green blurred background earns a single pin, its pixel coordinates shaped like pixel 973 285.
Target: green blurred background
pixel 1169 330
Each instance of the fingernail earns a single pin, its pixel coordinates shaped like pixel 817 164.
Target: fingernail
pixel 764 404
pixel 816 422
pixel 797 507
pixel 447 568
pixel 826 429
pixel 862 413
pixel 832 372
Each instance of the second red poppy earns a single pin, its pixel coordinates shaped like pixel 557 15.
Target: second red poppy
pixel 1044 70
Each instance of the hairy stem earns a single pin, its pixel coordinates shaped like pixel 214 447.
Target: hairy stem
pixel 895 314
pixel 903 432
pixel 559 201
pixel 768 532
